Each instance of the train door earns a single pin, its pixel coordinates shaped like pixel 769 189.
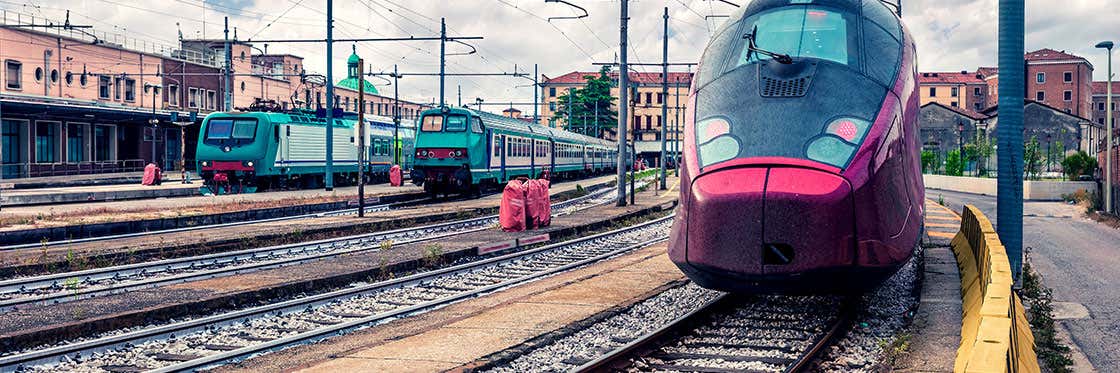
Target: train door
pixel 532 157
pixel 503 150
pixel 551 157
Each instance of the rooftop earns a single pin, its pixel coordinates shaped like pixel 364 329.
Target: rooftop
pixel 1047 54
pixel 959 110
pixel 963 77
pixel 1101 88
pixel 579 77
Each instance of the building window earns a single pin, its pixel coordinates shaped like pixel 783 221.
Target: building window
pixel 54 76
pixel 84 80
pixel 46 142
pixel 69 78
pixel 1100 106
pixel 551 91
pixel 38 74
pixel 103 84
pixel 649 98
pixel 954 92
pixel 13 71
pixel 1067 95
pixel 953 104
pixel 173 95
pixel 347 106
pixel 977 106
pixel 211 100
pixel 1100 120
pixel 932 91
pixel 552 106
pixel 242 85
pixel 75 142
pixel 130 90
pixel 192 99
pixel 1067 76
pixel 1040 96
pixel 1040 78
pixel 117 88
pixel 13 146
pixel 976 91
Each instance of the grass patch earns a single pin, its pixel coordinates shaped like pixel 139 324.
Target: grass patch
pixel 1038 299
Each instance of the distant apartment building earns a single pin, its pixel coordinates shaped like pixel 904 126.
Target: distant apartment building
pixel 963 89
pixel 644 120
pixel 77 102
pixel 1100 102
pixel 1060 80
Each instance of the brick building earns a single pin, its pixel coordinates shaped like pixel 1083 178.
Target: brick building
pixel 75 102
pixel 964 89
pixel 1060 80
pixel 644 122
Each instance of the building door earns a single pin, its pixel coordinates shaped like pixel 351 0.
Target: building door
pixel 174 149
pixel 104 148
pixel 13 148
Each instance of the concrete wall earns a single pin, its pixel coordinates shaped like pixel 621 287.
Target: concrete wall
pixel 1032 190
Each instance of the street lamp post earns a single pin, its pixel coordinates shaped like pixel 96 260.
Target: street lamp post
pixel 1107 45
pixel 154 122
pixel 960 145
pixel 1049 155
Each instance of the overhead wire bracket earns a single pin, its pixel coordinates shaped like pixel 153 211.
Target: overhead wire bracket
pixel 584 15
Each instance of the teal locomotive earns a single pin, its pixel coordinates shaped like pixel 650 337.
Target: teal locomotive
pixel 461 150
pixel 260 149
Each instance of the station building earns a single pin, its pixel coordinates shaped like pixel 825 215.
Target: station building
pixel 76 101
pixel 644 122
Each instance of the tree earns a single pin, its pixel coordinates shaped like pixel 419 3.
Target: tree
pixel 1032 158
pixel 954 165
pixel 591 105
pixel 983 148
pixel 929 161
pixel 1078 164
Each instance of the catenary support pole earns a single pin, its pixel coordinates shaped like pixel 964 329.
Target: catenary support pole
pixel 1009 202
pixel 623 104
pixel 442 58
pixel 664 96
pixel 328 176
pixel 536 97
pixel 228 104
pixel 361 140
pixel 396 118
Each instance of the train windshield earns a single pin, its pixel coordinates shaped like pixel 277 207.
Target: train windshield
pixel 237 129
pixel 803 31
pixel 456 123
pixel 432 123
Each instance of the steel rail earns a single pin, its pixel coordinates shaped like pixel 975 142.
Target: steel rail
pixel 55 353
pixel 364 242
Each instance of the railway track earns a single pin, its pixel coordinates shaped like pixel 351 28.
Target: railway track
pixel 732 334
pixel 220 338
pixel 63 287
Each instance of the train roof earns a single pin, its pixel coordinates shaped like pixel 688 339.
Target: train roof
pixel 511 124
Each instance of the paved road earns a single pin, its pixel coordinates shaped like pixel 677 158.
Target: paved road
pixel 1079 259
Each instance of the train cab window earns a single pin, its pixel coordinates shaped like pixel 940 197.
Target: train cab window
pixel 476 125
pixel 244 129
pixel 223 131
pixel 805 32
pixel 432 123
pixel 456 123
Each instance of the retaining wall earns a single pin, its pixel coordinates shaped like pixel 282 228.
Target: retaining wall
pixel 995 334
pixel 1032 190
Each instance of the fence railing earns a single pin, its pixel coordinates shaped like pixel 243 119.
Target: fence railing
pixel 23 170
pixel 995 334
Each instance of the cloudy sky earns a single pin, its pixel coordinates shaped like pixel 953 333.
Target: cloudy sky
pixel 952 35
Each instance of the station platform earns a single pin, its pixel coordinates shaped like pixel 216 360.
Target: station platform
pixel 116 178
pixel 96 192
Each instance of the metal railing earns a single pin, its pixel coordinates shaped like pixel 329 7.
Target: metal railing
pixel 25 170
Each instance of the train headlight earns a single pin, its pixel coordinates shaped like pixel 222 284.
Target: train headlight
pixel 458 153
pixel 227 149
pixel 249 163
pixel 715 142
pixel 839 141
pixel 205 164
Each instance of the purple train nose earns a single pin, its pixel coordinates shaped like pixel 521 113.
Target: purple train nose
pixel 766 223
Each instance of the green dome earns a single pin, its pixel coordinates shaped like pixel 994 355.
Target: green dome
pixel 352 83
pixel 353 58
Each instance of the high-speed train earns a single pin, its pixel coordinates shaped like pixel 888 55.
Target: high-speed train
pixel 802 168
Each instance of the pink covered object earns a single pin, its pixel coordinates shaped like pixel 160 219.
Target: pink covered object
pixel 511 213
pixel 546 205
pixel 395 175
pixel 151 175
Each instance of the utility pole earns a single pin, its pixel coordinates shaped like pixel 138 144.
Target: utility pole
pixel 460 86
pixel 571 91
pixel 536 99
pixel 329 177
pixel 1107 45
pixel 1009 202
pixel 442 57
pixel 229 71
pixel 623 103
pixel 664 94
pixel 361 140
pixel 677 129
pixel 396 118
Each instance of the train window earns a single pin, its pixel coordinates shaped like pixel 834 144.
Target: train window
pixel 244 129
pixel 219 129
pixel 432 123
pixel 476 125
pixel 806 31
pixel 456 123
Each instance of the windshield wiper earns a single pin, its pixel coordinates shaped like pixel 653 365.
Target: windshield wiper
pixel 752 47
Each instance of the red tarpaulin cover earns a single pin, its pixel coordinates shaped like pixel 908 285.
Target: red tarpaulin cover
pixel 546 205
pixel 511 213
pixel 151 175
pixel 533 203
pixel 395 175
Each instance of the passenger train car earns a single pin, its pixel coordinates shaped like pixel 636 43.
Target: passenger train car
pixel 462 150
pixel 288 149
pixel 802 169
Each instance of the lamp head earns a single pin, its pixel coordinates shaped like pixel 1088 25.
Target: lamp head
pixel 1105 44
